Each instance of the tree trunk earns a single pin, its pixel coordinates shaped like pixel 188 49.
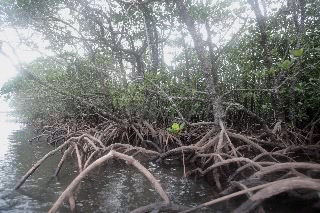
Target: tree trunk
pixel 204 59
pixel 152 36
pixel 264 42
pixel 298 9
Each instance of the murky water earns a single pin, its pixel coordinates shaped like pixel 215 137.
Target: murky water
pixel 114 188
pixel 118 188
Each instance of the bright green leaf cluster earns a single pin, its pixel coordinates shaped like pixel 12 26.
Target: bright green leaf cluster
pixel 297 53
pixel 176 128
pixel 285 64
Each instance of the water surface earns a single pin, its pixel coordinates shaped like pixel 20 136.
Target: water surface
pixel 114 188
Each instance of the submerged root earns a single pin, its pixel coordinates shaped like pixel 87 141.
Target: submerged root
pixel 290 183
pixel 260 168
pixel 160 206
pixel 110 155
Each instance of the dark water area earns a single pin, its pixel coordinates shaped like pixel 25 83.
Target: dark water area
pixel 114 188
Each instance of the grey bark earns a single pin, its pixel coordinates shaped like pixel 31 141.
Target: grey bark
pixel 204 59
pixel 264 42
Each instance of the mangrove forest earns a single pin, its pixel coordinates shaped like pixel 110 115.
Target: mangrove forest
pixel 228 90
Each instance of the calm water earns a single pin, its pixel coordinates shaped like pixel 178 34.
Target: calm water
pixel 118 188
pixel 114 188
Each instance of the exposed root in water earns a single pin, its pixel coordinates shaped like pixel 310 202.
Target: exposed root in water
pixel 110 155
pixel 261 166
pixel 289 184
pixel 36 166
pixel 161 206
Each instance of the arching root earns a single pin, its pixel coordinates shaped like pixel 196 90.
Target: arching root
pixel 228 158
pixel 112 154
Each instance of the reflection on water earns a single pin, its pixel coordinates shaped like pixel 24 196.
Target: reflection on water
pixel 5 129
pixel 115 188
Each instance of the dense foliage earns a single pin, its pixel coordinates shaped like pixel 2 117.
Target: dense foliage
pixel 229 88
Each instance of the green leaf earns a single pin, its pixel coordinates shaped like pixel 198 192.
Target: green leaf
pixel 175 127
pixel 285 64
pixel 272 71
pixel 182 125
pixel 193 91
pixel 170 130
pixel 196 106
pixel 299 90
pixel 297 53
